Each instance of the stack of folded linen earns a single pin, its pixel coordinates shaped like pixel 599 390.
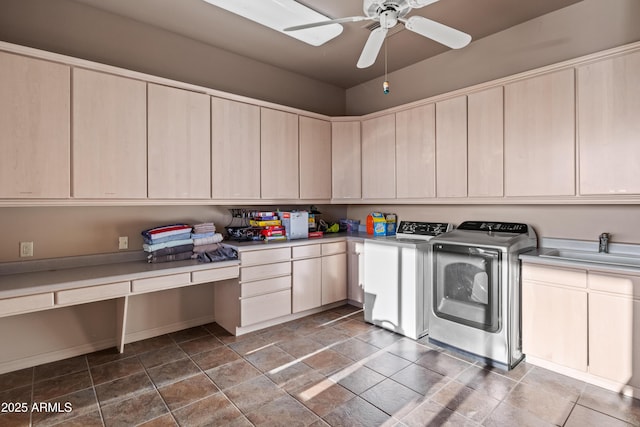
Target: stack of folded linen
pixel 168 243
pixel 205 238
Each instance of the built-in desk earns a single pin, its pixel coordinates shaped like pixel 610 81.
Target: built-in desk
pixel 47 285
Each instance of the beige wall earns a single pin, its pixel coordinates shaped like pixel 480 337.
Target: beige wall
pixel 559 221
pixel 70 231
pixel 74 29
pixel 580 29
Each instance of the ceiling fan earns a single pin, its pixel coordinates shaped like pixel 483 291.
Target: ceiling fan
pixel 388 13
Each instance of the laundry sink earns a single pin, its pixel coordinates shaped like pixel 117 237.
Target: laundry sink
pixel 595 257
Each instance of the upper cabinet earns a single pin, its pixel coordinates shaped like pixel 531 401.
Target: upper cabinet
pixel 315 158
pixel 451 147
pixel 235 150
pixel 34 128
pixel 378 157
pixel 179 144
pixel 278 154
pixel 416 152
pixel 609 125
pixel 109 148
pixel 346 168
pixel 486 143
pixel 539 135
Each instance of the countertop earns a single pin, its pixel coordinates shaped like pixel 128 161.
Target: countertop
pixel 78 272
pixel 548 245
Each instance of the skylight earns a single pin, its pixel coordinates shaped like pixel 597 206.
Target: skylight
pixel 279 14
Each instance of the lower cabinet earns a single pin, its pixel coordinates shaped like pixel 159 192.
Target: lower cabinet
pixel 319 275
pixel 262 293
pixel 583 319
pixel 307 284
pixel 554 324
pixel 334 278
pixel 614 327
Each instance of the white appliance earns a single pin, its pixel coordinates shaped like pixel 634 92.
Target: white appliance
pixel 397 276
pixel 476 290
pixel 296 224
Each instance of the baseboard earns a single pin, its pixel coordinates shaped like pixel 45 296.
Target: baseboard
pixel 614 386
pixel 54 356
pixel 167 329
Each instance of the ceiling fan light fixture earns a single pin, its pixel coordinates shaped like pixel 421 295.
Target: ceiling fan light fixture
pixel 280 14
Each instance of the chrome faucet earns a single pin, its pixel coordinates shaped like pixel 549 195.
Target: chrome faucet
pixel 604 243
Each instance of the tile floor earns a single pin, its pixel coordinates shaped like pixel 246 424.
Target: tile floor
pixel 326 369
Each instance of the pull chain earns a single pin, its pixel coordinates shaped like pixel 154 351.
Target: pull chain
pixel 385 85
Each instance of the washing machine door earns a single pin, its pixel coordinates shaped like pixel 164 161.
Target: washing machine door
pixel 466 285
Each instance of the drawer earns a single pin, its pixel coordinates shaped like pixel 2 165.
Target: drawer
pixel 162 282
pixel 265 286
pixel 265 256
pixel 615 283
pixel 333 248
pixel 265 307
pixel 555 275
pixel 18 305
pixel 259 272
pixel 92 293
pixel 306 251
pixel 215 274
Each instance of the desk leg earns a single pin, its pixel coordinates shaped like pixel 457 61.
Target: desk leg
pixel 121 318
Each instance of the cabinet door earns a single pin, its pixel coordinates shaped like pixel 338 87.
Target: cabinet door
pixel 34 128
pixel 451 147
pixel 179 144
pixel 416 152
pixel 539 136
pixel 346 178
pixel 109 148
pixel 278 154
pixel 614 338
pixel 334 278
pixel 486 143
pixel 315 158
pixel 554 324
pixel 235 150
pixel 608 125
pixel 379 158
pixel 614 327
pixel 307 284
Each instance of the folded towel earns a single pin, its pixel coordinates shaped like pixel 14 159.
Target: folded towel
pixel 167 258
pixel 216 238
pixel 180 236
pixel 204 228
pixel 205 248
pixel 166 230
pixel 172 250
pixel 202 235
pixel 223 253
pixel 156 246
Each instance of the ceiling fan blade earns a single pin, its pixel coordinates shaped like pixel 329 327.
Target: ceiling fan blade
pixel 321 23
pixel 372 47
pixel 416 4
pixel 441 33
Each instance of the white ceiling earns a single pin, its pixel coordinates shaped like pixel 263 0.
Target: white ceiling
pixel 335 61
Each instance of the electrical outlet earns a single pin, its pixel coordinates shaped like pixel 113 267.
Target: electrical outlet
pixel 26 249
pixel 123 242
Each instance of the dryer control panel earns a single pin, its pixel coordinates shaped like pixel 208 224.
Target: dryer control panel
pixel 501 227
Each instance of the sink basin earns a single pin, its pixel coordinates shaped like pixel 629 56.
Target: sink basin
pixel 596 257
